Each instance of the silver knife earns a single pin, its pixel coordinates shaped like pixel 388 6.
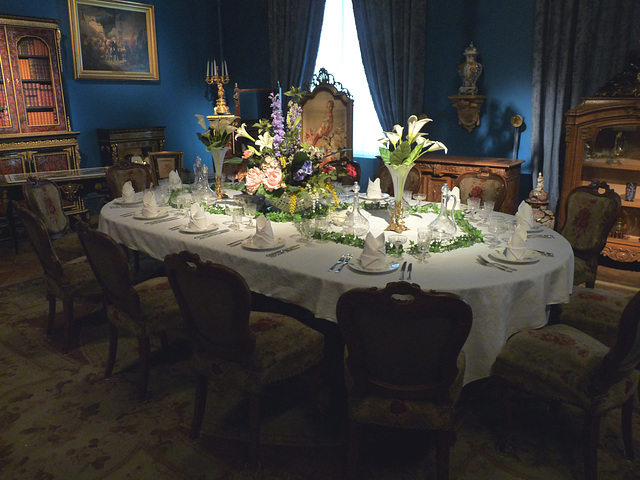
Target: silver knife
pixel 404 266
pixel 409 268
pixel 283 250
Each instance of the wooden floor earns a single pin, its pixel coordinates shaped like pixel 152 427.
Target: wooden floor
pixel 16 268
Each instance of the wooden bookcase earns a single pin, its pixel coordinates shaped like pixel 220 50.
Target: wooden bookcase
pixel 603 143
pixel 35 134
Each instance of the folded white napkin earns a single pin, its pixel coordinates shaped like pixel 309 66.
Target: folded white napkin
pixel 264 233
pixel 454 193
pixel 174 179
pixel 149 205
pixel 374 254
pixel 373 190
pixel 515 248
pixel 197 218
pixel 128 192
pixel 524 215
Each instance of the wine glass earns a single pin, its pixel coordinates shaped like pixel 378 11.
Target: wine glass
pixel 250 210
pixel 473 204
pixel 398 241
pixel 485 211
pixel 424 243
pixel 236 218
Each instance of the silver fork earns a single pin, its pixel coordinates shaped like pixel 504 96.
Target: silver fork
pixel 338 262
pixel 346 261
pixel 499 266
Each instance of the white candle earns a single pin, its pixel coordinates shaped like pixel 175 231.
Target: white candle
pixel 226 72
pixel 208 68
pixel 215 67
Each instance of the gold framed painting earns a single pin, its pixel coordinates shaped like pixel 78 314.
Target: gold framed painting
pixel 113 40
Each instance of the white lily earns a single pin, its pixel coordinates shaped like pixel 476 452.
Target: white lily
pixel 414 127
pixel 264 141
pixel 241 131
pixel 201 121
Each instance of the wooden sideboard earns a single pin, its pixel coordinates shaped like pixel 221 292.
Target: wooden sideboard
pixel 119 145
pixel 438 169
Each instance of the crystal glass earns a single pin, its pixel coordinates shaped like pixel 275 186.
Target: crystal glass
pixel 425 235
pixel 419 197
pixel 236 218
pixel 473 204
pixel 398 241
pixel 250 210
pixel 355 222
pixel 485 211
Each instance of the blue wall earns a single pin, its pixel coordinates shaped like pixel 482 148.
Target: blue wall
pixel 187 35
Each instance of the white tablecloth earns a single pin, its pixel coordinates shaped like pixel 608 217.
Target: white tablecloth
pixel 502 303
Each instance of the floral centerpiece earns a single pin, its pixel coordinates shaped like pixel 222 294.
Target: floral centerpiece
pixel 217 138
pixel 289 173
pixel 399 156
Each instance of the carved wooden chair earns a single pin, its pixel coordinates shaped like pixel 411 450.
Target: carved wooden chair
pixel 67 281
pixel 563 364
pixel 484 184
pixel 145 309
pixel 591 212
pixel 44 198
pixel 139 174
pixel 236 347
pixel 412 183
pixel 405 364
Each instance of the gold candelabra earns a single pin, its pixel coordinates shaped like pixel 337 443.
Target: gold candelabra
pixel 219 76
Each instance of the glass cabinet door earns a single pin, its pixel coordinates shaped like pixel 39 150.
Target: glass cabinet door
pixel 8 116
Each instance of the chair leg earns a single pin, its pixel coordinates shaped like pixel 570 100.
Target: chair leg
pixel 67 307
pixel 353 455
pixel 52 313
pixel 144 347
pixel 113 348
pixel 254 429
pixel 199 405
pixel 443 445
pixel 627 428
pixel 591 437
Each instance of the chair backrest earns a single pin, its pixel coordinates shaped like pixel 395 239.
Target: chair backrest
pixel 484 184
pixel 403 342
pixel 108 261
pixel 40 240
pixel 162 163
pixel 215 302
pixel 138 173
pixel 624 356
pixel 412 183
pixel 591 212
pixel 43 197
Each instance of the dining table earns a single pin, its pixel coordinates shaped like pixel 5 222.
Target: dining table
pixel 502 302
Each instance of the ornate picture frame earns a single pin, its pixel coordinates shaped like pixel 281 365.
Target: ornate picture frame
pixel 327 115
pixel 113 40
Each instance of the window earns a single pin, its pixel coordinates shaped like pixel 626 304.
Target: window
pixel 339 53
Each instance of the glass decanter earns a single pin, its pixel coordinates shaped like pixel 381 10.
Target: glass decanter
pixel 445 224
pixel 355 223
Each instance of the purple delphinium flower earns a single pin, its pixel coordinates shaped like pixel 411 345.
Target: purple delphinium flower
pixel 306 169
pixel 277 121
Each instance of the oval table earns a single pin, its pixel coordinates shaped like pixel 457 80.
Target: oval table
pixel 502 303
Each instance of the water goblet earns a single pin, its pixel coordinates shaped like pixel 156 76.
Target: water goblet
pixel 322 226
pixel 398 241
pixel 250 210
pixel 424 243
pixel 236 218
pixel 473 204
pixel 485 211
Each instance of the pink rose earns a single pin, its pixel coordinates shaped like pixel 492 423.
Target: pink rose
pixel 272 179
pixel 253 179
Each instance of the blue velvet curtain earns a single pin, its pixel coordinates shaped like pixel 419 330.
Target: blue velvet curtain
pixel 392 36
pixel 294 36
pixel 578 47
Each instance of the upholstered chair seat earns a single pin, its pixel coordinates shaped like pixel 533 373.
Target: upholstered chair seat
pixel 142 310
pixel 235 347
pixel 561 363
pixel 591 212
pixel 67 281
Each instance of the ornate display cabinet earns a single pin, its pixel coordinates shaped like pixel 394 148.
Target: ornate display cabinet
pixel 35 135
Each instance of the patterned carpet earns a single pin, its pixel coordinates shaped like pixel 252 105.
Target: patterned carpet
pixel 60 419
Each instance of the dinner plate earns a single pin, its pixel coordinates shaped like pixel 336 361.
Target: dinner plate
pixel 121 201
pixel 357 266
pixel 385 196
pixel 209 228
pixel 140 216
pixel 246 243
pixel 530 256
